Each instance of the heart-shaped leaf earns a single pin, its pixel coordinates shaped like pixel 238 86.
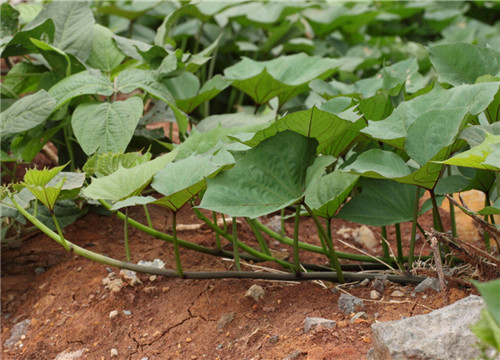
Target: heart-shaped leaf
pixel 106 127
pixel 265 179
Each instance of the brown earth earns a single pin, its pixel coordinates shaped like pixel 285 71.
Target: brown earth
pixel 171 318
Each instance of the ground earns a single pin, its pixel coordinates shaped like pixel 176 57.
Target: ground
pixel 170 318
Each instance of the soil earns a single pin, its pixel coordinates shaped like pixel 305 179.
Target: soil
pixel 170 318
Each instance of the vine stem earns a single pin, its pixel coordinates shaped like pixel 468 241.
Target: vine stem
pixel 414 228
pixel 296 259
pixel 328 239
pixel 176 245
pixel 327 276
pixel 59 232
pixel 125 235
pixel 236 249
pixel 217 235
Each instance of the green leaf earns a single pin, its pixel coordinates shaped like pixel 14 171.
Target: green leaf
pixel 21 43
pixel 473 98
pixel 9 20
pixel 37 182
pixel 83 83
pixel 285 77
pixel 332 131
pixel 491 210
pixel 380 203
pixel 264 179
pixel 187 93
pixel 462 63
pixel 104 55
pixel 126 182
pixel 477 156
pixel 27 113
pixel 74 23
pixel 106 127
pixel 22 78
pixel 489 291
pixel 107 163
pixel 65 211
pixel 180 181
pixel 326 194
pixel 132 79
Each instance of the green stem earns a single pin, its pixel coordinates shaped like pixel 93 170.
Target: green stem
pixel 385 247
pixel 236 249
pixel 176 245
pixel 486 235
pixel 148 216
pixel 67 141
pixel 414 228
pixel 313 248
pixel 282 222
pixel 217 235
pixel 125 235
pixel 334 261
pixel 453 221
pixel 258 236
pixel 59 232
pixel 296 259
pixel 399 243
pixel 242 246
pixel 438 224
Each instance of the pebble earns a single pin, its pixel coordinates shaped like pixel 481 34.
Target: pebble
pixel 152 278
pixel 379 285
pixel 294 355
pixel 365 237
pixel 130 277
pixel 127 312
pixel 397 293
pixel 274 339
pixel 113 314
pixel 72 355
pixel 313 322
pixel 144 358
pixel 16 332
pixel 256 292
pixel 114 352
pixel 40 270
pixel 428 283
pixel 365 282
pixel 348 303
pixel 359 315
pixel 225 320
pixel 374 295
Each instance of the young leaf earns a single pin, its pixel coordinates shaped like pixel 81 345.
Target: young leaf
pixel 27 113
pixel 107 163
pixel 106 127
pixel 180 181
pixel 477 156
pixel 124 182
pixel 37 182
pixel 264 179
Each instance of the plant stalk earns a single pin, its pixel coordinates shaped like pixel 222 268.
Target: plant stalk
pixel 236 250
pixel 148 216
pixel 399 243
pixel 385 247
pixel 414 228
pixel 125 234
pixel 259 237
pixel 176 245
pixel 217 236
pixel 296 258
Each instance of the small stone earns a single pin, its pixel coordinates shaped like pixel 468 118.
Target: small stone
pixel 157 263
pixel 313 322
pixel 379 285
pixel 349 304
pixel 130 277
pixel 152 278
pixel 39 270
pixel 365 237
pixel 188 340
pixel 144 358
pixel 113 314
pixel 397 293
pixel 225 320
pixel 73 355
pixel 428 283
pixel 274 223
pixel 365 282
pixel 374 295
pixel 18 330
pixel 294 355
pixel 256 292
pixel 127 312
pixel 114 352
pixel 274 339
pixel 359 315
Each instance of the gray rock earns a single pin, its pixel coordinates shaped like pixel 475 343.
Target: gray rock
pixel 294 355
pixel 379 285
pixel 225 320
pixel 313 322
pixel 274 339
pixel 256 292
pixel 18 330
pixel 40 270
pixel 349 304
pixel 428 283
pixel 443 334
pixel 72 355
